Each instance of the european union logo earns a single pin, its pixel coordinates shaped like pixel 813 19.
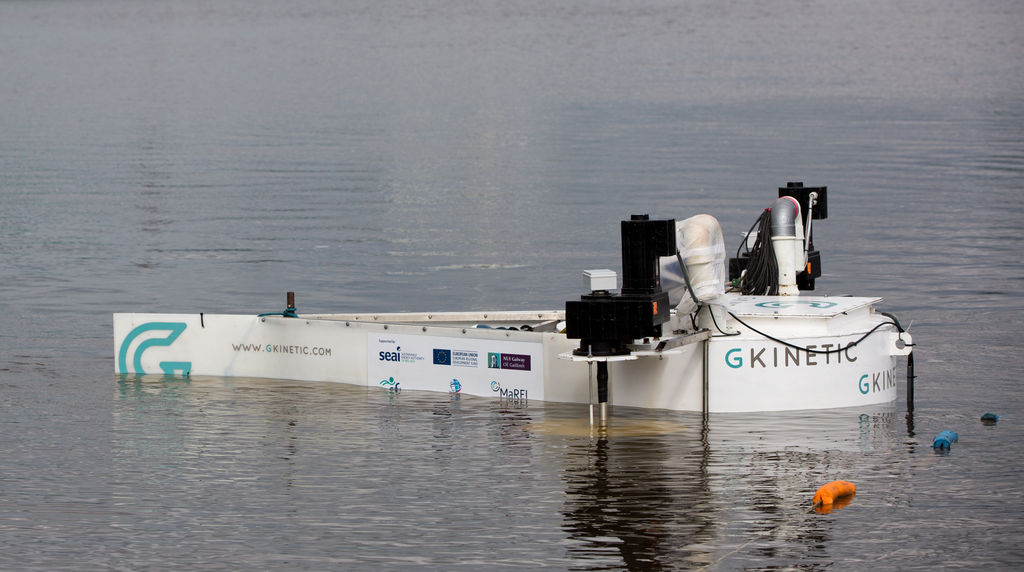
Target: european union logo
pixel 442 357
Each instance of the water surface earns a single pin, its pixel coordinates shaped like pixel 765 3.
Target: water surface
pixel 405 156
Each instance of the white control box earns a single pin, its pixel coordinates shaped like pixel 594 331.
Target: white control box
pixel 603 279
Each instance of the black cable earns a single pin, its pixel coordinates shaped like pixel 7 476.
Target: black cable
pixel 762 274
pixel 897 322
pixel 715 322
pixel 746 236
pixel 796 347
pixel 894 321
pixel 901 330
pixel 686 278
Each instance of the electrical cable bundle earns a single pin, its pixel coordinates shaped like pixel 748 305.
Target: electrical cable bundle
pixel 762 274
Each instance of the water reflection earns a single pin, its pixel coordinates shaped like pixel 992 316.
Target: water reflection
pixel 835 505
pixel 641 500
pixel 654 490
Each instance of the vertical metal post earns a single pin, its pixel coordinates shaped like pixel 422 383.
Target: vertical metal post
pixel 704 378
pixel 590 385
pixel 602 389
pixel 590 388
pixel 910 382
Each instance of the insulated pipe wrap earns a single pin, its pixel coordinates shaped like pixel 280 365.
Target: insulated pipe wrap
pixel 785 212
pixel 701 249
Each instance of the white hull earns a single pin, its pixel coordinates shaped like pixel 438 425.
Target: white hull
pixel 447 352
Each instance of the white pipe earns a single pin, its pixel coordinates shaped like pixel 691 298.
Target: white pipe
pixel 787 241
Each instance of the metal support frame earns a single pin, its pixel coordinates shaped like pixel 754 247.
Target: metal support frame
pixel 704 378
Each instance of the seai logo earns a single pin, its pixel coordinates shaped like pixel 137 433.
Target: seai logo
pixel 391 356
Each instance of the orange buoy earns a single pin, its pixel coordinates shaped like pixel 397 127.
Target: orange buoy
pixel 829 492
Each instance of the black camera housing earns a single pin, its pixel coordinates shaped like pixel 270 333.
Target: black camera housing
pixel 606 323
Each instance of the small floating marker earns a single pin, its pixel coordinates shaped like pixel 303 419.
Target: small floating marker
pixel 989 418
pixel 945 440
pixel 836 494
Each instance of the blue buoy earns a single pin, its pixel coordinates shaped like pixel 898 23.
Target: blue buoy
pixel 945 440
pixel 989 418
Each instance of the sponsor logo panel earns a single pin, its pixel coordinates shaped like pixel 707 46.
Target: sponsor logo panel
pixel 456 365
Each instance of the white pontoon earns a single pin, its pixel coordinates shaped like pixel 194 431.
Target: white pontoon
pixel 675 335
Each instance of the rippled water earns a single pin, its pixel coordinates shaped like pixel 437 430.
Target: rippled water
pixel 209 156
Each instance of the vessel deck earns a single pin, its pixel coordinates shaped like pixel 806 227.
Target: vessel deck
pixel 796 306
pixel 537 321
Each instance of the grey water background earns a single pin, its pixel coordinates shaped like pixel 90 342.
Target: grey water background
pixel 376 156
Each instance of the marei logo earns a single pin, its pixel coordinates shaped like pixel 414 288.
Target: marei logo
pixel 171 331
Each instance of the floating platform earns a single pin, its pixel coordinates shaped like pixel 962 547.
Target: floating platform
pixel 690 342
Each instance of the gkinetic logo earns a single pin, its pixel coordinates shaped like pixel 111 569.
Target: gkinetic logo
pixel 173 329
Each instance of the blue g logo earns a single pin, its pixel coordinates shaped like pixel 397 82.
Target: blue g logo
pixel 174 330
pixel 732 361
